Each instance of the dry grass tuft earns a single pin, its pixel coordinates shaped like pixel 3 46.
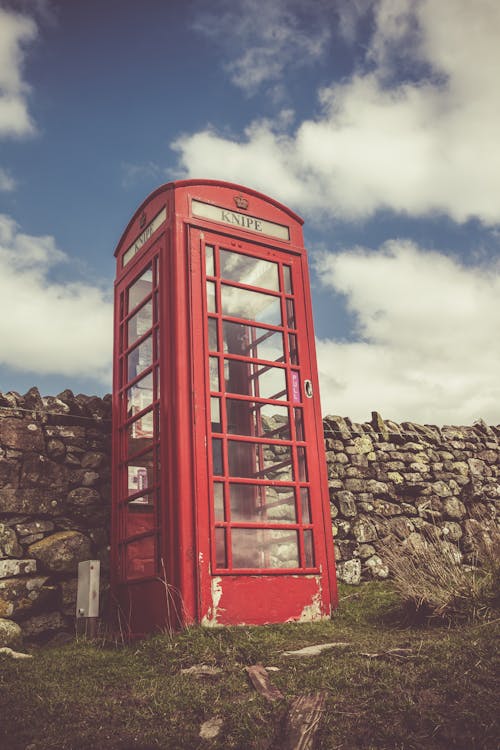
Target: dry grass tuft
pixel 434 584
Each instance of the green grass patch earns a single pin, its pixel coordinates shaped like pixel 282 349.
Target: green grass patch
pixel 394 686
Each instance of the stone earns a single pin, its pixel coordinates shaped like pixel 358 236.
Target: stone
pixel 9 472
pixel 376 488
pixel 395 476
pixel 451 531
pixel 33 527
pixel 385 508
pixel 82 497
pixel 355 485
pixel 69 591
pixel 20 595
pixel 29 502
pixel 9 546
pixel 39 471
pixel 56 448
pixel 401 527
pixel 478 468
pixel 416 541
pixel 43 625
pixel 349 572
pixel 10 568
pixel 454 508
pixel 93 460
pixel 377 567
pixel 460 467
pixel 347 504
pixel 339 425
pixel 441 489
pixel 61 552
pixel 10 634
pixel 14 433
pixel 363 444
pixel 364 530
pixel 365 551
pixel 379 425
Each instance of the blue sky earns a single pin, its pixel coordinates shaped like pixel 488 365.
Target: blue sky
pixel 377 121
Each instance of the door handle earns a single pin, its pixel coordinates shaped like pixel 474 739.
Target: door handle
pixel 308 388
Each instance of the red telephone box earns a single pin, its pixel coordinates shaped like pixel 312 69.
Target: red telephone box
pixel 220 498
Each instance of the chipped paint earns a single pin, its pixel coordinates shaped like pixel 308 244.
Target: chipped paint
pixel 313 611
pixel 210 619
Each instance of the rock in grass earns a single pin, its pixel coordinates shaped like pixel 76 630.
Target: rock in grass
pixel 210 728
pixel 10 633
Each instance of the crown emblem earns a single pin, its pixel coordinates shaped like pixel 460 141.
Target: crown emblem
pixel 142 220
pixel 240 201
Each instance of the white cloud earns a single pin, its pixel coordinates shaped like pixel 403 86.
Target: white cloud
pixel 264 38
pixel 7 183
pixel 15 32
pixel 384 140
pixel 45 326
pixel 427 348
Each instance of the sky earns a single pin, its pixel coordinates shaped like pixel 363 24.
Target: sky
pixel 377 121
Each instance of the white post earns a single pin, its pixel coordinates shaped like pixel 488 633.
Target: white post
pixel 87 598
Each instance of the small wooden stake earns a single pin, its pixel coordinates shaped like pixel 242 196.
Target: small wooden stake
pixel 260 680
pixel 303 721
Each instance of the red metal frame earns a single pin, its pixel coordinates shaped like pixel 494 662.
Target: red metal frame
pixel 183 579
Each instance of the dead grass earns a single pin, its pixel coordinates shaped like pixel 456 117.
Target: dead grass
pixel 392 686
pixel 433 583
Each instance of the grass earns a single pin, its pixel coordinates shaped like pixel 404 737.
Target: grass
pixel 436 690
pixel 433 584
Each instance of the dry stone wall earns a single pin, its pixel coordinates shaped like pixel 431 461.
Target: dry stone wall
pixel 408 482
pixel 405 481
pixel 54 507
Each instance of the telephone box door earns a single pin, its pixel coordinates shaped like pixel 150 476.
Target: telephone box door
pixel 263 535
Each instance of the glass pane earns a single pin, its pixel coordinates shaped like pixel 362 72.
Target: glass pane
pixel 264 548
pixel 140 396
pixel 140 517
pixel 257 420
pixel 308 549
pixel 287 279
pixel 220 548
pixel 249 341
pixel 209 260
pixel 140 474
pixel 140 289
pixel 141 428
pixel 301 456
pixel 212 335
pixel 290 313
pixel 260 461
pixel 252 380
pixel 219 501
pixel 140 558
pixel 140 358
pixel 241 303
pixel 261 503
pixel 140 323
pixel 292 345
pixel 299 425
pixel 248 270
pixel 306 506
pixel 217 456
pixel 215 415
pixel 214 374
pixel 211 302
